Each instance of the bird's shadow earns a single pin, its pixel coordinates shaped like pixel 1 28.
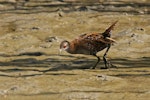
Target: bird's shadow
pixel 60 63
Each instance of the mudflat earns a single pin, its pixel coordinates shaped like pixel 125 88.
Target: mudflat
pixel 30 64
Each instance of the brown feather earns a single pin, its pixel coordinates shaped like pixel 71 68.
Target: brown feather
pixel 90 43
pixel 107 32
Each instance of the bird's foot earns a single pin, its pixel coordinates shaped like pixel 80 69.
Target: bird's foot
pixel 93 67
pixel 104 68
pixel 113 66
pixel 108 65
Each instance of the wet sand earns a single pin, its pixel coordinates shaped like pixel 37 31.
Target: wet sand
pixel 30 67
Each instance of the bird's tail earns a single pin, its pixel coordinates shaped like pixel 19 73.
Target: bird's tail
pixel 107 32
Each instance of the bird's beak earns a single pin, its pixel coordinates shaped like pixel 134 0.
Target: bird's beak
pixel 60 51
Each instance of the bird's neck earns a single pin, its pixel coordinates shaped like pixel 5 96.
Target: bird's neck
pixel 71 48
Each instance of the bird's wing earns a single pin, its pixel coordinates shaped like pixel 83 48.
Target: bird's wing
pixel 95 38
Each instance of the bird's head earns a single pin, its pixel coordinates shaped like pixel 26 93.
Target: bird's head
pixel 64 46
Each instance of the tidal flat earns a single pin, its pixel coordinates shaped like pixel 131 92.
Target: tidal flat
pixel 32 69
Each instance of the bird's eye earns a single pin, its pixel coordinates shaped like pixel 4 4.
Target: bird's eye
pixel 64 46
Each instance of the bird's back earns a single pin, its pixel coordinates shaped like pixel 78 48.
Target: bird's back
pixel 91 43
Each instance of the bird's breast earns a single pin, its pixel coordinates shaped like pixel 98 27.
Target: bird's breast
pixel 85 47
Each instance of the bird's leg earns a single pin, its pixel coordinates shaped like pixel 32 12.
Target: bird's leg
pixel 107 63
pixel 104 57
pixel 98 60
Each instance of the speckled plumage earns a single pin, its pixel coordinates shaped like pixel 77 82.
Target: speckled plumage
pixel 90 44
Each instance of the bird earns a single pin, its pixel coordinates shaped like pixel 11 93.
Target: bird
pixel 90 44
